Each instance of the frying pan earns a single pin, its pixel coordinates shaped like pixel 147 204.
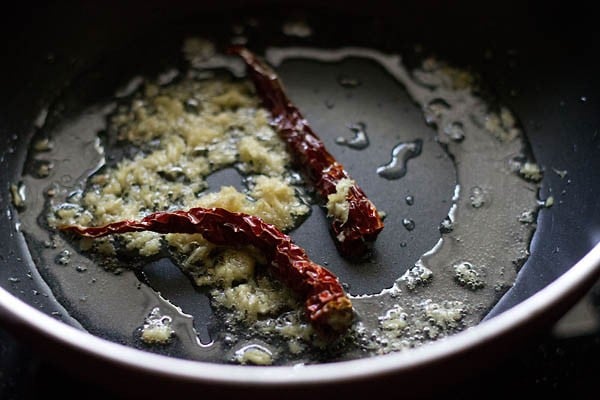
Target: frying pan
pixel 542 68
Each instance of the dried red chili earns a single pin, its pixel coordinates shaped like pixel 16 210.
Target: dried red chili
pixel 364 223
pixel 327 306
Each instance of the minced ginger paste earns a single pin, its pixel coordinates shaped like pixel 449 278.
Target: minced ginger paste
pixel 184 132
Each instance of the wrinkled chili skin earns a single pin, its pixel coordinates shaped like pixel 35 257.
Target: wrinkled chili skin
pixel 327 306
pixel 353 237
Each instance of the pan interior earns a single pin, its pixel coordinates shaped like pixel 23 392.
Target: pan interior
pixel 358 89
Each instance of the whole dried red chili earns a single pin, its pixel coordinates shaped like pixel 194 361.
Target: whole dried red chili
pixel 354 235
pixel 327 306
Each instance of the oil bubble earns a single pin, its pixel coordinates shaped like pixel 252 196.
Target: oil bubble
pixel 409 224
pixel 401 153
pixel 359 141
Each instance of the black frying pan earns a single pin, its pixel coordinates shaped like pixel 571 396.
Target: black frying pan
pixel 543 68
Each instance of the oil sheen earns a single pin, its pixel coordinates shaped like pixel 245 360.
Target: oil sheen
pixel 402 300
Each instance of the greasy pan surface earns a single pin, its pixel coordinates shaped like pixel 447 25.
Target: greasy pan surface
pixel 547 76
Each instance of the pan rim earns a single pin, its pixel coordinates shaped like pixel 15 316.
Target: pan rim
pixel 572 284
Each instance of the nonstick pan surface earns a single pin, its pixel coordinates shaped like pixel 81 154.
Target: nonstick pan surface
pixel 547 76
